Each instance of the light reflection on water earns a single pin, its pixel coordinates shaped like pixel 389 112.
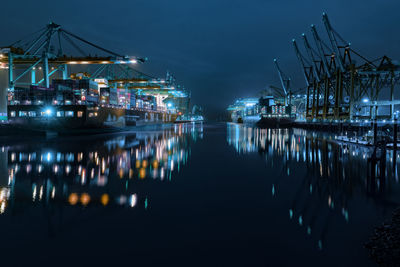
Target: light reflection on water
pixel 333 176
pixel 89 172
pixel 239 196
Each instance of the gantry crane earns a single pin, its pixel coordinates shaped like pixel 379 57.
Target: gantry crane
pixel 49 47
pixel 53 50
pixel 346 87
pixel 313 91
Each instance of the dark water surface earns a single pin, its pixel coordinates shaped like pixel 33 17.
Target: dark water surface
pixel 205 195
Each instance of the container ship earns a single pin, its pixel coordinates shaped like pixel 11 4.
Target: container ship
pixel 263 112
pixel 83 105
pixel 275 114
pixel 55 85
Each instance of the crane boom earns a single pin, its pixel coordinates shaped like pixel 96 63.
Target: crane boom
pixel 301 59
pixel 321 51
pixel 333 41
pixel 311 56
pixel 284 81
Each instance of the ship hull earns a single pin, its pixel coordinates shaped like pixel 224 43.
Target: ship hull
pixel 275 122
pixel 78 120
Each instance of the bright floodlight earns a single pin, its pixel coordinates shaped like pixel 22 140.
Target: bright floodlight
pixel 365 100
pixel 169 105
pixel 48 112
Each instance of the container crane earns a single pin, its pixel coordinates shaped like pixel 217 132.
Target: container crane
pixel 312 86
pixel 321 52
pixel 321 76
pixel 316 68
pixel 343 72
pixel 348 88
pixel 29 54
pixel 332 38
pixel 307 68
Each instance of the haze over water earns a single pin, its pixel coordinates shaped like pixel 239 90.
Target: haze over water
pixel 190 195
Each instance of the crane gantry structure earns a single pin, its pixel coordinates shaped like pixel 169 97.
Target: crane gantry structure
pixel 54 48
pixel 56 52
pixel 340 87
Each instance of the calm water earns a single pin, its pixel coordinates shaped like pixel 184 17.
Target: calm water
pixel 206 195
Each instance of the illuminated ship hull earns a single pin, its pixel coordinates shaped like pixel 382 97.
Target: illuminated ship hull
pixel 78 119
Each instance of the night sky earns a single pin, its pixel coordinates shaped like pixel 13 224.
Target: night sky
pixel 219 49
